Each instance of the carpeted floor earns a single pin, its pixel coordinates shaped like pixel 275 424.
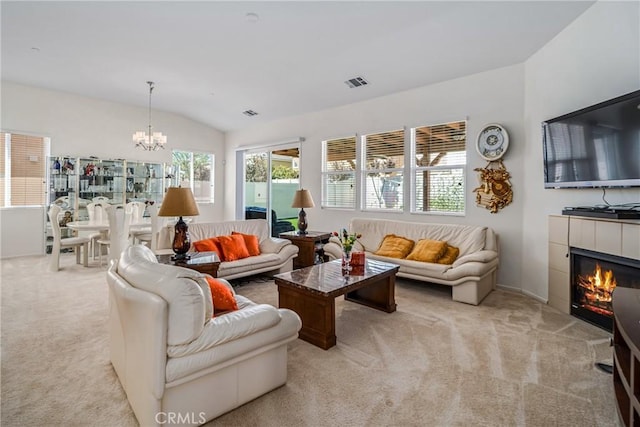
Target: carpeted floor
pixel 509 362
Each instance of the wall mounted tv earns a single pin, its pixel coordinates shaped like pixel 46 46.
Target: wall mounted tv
pixel 597 146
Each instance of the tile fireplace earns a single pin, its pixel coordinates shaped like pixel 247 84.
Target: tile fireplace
pixel 594 276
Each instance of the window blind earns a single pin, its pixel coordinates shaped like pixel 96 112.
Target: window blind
pixel 3 172
pixel 338 176
pixel 440 157
pixel 441 145
pixel 384 150
pixel 27 170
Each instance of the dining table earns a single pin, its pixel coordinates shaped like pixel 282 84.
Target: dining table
pixel 103 226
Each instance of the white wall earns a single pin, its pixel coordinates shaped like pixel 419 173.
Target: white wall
pixel 595 58
pixel 81 126
pixel 491 97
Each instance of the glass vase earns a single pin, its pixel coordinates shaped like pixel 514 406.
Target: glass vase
pixel 346 261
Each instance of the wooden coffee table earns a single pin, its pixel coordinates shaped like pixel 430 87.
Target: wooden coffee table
pixel 311 293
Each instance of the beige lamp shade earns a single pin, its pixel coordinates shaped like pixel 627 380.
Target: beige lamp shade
pixel 302 199
pixel 178 202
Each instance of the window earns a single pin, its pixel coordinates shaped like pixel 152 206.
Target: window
pixel 22 169
pixel 439 159
pixel 339 173
pixel 383 170
pixel 195 170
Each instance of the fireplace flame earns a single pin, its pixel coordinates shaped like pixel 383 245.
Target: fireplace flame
pixel 597 289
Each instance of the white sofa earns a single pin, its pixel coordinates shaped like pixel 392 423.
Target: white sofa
pixel 472 275
pixel 172 358
pixel 276 255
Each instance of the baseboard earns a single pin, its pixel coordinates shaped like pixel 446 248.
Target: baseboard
pixel 522 291
pixel 536 297
pixel 508 288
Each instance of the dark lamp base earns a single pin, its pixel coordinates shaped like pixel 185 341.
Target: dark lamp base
pixel 302 222
pixel 181 241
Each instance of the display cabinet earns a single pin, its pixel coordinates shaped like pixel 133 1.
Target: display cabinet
pixel 99 178
pixel 74 182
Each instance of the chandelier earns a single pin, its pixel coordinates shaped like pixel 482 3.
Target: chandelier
pixel 149 141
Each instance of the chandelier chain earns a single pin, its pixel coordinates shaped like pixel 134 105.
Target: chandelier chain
pixel 149 141
pixel 150 91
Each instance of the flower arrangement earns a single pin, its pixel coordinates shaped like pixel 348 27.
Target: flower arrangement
pixel 347 240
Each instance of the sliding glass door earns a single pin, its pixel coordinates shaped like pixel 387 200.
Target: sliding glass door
pixel 269 182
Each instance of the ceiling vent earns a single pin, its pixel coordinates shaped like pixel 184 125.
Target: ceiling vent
pixel 249 113
pixel 356 82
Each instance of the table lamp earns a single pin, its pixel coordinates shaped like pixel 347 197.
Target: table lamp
pixel 179 202
pixel 302 199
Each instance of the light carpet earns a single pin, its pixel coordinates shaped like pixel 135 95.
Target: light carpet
pixel 511 361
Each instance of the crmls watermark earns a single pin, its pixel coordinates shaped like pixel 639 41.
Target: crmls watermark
pixel 180 418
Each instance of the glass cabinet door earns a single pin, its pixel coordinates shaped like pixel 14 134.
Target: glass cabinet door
pixel 144 182
pixel 99 180
pixel 62 182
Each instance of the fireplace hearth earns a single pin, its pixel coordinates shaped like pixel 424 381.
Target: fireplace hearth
pixel 594 277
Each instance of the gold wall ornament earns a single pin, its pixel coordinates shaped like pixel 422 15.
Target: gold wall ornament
pixel 495 189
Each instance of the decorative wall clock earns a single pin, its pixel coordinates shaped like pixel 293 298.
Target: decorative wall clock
pixel 492 142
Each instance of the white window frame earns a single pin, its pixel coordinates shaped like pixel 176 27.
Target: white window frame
pixel 325 174
pixel 414 169
pixel 364 173
pixel 46 152
pixel 191 154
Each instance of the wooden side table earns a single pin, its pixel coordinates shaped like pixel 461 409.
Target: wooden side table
pixel 204 262
pixel 306 244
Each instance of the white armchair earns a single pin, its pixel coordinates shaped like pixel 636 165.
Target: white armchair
pixel 171 356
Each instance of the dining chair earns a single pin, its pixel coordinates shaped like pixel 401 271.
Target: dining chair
pixel 137 216
pixel 157 223
pixel 68 242
pixel 97 213
pixel 119 224
pixel 101 199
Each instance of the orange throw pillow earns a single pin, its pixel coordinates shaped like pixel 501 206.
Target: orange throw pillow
pixel 251 242
pixel 209 245
pixel 395 246
pixel 427 250
pixel 233 247
pixel 450 255
pixel 223 299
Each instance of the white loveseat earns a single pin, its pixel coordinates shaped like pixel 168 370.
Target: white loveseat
pixel 276 255
pixel 172 357
pixel 472 275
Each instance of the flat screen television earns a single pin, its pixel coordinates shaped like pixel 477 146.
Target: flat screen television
pixel 597 146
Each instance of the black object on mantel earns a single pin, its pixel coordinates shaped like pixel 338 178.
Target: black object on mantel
pixel 602 212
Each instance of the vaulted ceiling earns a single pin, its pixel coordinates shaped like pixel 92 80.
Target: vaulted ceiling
pixel 213 60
